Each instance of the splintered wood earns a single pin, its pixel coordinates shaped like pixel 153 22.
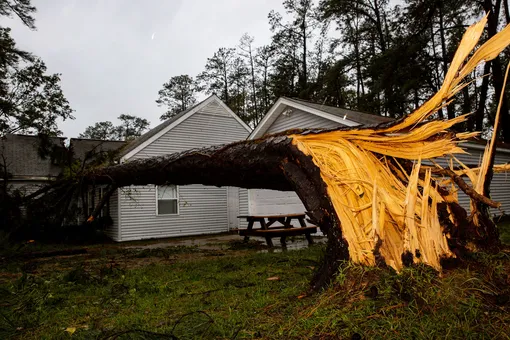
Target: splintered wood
pixel 385 209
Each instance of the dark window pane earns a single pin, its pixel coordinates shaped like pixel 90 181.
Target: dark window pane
pixel 166 207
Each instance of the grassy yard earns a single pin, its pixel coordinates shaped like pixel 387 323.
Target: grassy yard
pixel 187 292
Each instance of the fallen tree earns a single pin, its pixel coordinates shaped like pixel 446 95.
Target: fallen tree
pixel 367 188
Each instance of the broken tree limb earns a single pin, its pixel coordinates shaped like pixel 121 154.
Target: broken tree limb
pixel 466 188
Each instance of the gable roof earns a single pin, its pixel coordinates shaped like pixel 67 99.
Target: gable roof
pixel 147 138
pixel 340 115
pixel 23 159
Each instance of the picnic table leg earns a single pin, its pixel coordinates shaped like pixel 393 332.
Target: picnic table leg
pixel 269 242
pixel 268 238
pixel 307 235
pixel 283 242
pixel 286 225
pixel 250 227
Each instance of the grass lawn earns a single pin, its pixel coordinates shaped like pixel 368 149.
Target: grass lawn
pixel 188 293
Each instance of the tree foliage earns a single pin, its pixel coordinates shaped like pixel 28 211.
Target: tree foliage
pixel 34 101
pixel 23 9
pixel 31 101
pixel 177 94
pixel 129 128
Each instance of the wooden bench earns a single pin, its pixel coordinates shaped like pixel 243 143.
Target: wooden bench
pixel 268 231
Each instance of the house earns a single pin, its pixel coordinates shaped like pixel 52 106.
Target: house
pixel 143 212
pixel 289 113
pixel 30 162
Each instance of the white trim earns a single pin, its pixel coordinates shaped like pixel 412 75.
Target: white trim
pixel 256 131
pixel 178 200
pixel 228 208
pixel 482 147
pixel 197 108
pixel 249 201
pixel 262 128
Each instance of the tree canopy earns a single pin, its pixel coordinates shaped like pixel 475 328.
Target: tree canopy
pixel 178 94
pixel 369 55
pixel 130 127
pixel 31 101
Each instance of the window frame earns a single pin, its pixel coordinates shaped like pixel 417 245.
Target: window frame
pixel 171 199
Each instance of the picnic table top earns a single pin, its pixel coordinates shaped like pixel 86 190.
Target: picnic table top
pixel 272 216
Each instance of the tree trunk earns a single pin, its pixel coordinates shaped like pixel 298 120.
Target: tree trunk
pixel 253 88
pixel 466 108
pixel 497 71
pixel 271 163
pixel 379 27
pixel 507 12
pixel 304 79
pixel 436 66
pixel 480 111
pixel 449 109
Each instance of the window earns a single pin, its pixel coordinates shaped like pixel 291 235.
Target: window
pixel 168 200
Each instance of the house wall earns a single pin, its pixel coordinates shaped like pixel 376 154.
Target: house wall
pixel 300 120
pixel 202 209
pixel 500 185
pixel 273 202
pixel 244 208
pixel 113 230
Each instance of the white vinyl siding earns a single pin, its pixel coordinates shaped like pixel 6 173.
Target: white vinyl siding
pixel 243 207
pixel 202 209
pixel 113 230
pixel 200 130
pixel 273 202
pixel 298 119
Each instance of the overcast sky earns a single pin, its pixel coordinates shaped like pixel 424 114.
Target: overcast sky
pixel 108 60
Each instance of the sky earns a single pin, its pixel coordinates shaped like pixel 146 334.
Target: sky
pixel 115 55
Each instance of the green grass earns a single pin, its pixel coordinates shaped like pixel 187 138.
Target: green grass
pixel 192 293
pixel 504 231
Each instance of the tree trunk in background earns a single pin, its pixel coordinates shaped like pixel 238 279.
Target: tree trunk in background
pixel 497 71
pixel 304 76
pixel 466 108
pixel 480 111
pixel 450 108
pixel 507 12
pixel 379 26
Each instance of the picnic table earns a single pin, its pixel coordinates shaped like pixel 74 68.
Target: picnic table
pixel 284 229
